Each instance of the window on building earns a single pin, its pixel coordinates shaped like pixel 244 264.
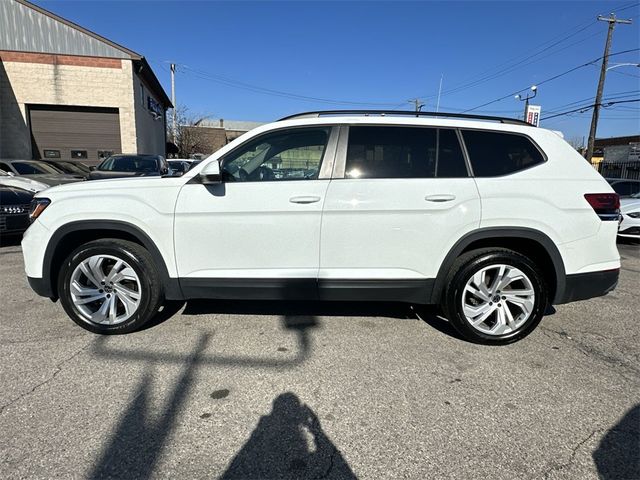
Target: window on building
pixel 493 154
pixel 404 152
pixel 294 154
pixel 51 153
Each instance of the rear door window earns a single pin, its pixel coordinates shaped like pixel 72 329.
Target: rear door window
pixel 493 154
pixel 403 152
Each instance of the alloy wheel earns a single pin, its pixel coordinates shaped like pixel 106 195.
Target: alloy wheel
pixel 105 290
pixel 498 299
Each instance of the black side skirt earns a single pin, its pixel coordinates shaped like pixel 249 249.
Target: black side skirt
pixel 414 291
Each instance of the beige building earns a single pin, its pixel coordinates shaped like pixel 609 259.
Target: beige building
pixel 68 93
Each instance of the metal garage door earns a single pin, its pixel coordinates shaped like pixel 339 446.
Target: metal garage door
pixel 74 133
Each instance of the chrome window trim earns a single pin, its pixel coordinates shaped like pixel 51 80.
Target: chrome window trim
pixel 328 159
pixel 341 153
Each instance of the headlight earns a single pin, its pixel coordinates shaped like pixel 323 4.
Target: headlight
pixel 37 207
pixel 634 214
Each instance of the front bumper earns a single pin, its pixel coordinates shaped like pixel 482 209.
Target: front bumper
pixel 42 287
pixel 582 286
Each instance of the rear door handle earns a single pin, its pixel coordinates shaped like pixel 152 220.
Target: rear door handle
pixel 304 199
pixel 444 197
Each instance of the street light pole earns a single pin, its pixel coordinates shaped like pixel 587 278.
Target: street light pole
pixel 612 20
pixel 534 89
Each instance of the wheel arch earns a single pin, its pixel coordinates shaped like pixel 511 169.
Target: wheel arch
pixel 527 241
pixel 68 237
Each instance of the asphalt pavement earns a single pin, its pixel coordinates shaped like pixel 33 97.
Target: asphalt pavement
pixel 239 390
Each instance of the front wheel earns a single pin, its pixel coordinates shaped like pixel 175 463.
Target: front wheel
pixel 495 296
pixel 109 286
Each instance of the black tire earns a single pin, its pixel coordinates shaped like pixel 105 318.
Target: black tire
pixel 464 268
pixel 142 263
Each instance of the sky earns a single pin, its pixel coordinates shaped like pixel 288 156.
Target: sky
pixel 260 61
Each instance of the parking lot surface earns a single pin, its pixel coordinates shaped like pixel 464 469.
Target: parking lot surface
pixel 306 390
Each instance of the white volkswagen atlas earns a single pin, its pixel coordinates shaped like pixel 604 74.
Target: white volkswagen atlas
pixel 491 218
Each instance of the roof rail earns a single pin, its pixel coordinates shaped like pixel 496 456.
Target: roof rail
pixel 321 113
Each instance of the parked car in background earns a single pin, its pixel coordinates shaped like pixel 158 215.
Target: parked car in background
pixel 11 180
pixel 624 187
pixel 70 167
pixel 630 213
pixel 14 210
pixel 119 166
pixel 179 167
pixel 39 171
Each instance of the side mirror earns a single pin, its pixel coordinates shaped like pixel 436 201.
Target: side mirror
pixel 11 174
pixel 92 168
pixel 210 174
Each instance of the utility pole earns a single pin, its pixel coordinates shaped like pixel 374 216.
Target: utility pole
pixel 173 101
pixel 612 20
pixel 416 102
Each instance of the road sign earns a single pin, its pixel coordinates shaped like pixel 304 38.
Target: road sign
pixel 533 115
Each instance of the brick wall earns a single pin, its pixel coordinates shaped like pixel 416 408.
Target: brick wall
pixel 49 59
pixel 27 78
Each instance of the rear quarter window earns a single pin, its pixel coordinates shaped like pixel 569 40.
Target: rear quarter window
pixel 493 154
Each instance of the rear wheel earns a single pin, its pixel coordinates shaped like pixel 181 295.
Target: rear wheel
pixel 110 286
pixel 495 296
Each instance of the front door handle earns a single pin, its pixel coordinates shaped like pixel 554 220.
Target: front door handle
pixel 443 197
pixel 305 199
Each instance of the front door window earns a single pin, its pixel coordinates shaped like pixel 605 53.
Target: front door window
pixel 294 154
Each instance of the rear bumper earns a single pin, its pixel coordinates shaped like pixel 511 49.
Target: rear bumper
pixel 582 286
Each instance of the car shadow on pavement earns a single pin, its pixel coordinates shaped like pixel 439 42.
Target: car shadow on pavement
pixel 618 455
pixel 288 443
pixel 301 325
pixel 428 314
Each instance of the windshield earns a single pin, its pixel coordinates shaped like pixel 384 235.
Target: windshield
pixel 69 167
pixel 129 164
pixel 35 168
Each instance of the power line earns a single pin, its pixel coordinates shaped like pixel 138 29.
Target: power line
pixel 611 96
pixel 279 93
pixel 549 79
pixel 484 78
pixel 516 66
pixel 587 107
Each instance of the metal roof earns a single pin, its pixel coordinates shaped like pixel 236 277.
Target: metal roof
pixel 25 27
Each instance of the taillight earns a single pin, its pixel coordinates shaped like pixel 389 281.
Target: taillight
pixel 606 205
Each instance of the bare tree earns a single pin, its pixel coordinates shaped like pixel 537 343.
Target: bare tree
pixel 189 139
pixel 576 142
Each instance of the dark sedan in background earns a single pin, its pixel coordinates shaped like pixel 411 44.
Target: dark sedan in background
pixel 39 171
pixel 69 167
pixel 14 210
pixel 118 166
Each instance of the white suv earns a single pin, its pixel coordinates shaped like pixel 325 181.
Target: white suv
pixel 491 218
